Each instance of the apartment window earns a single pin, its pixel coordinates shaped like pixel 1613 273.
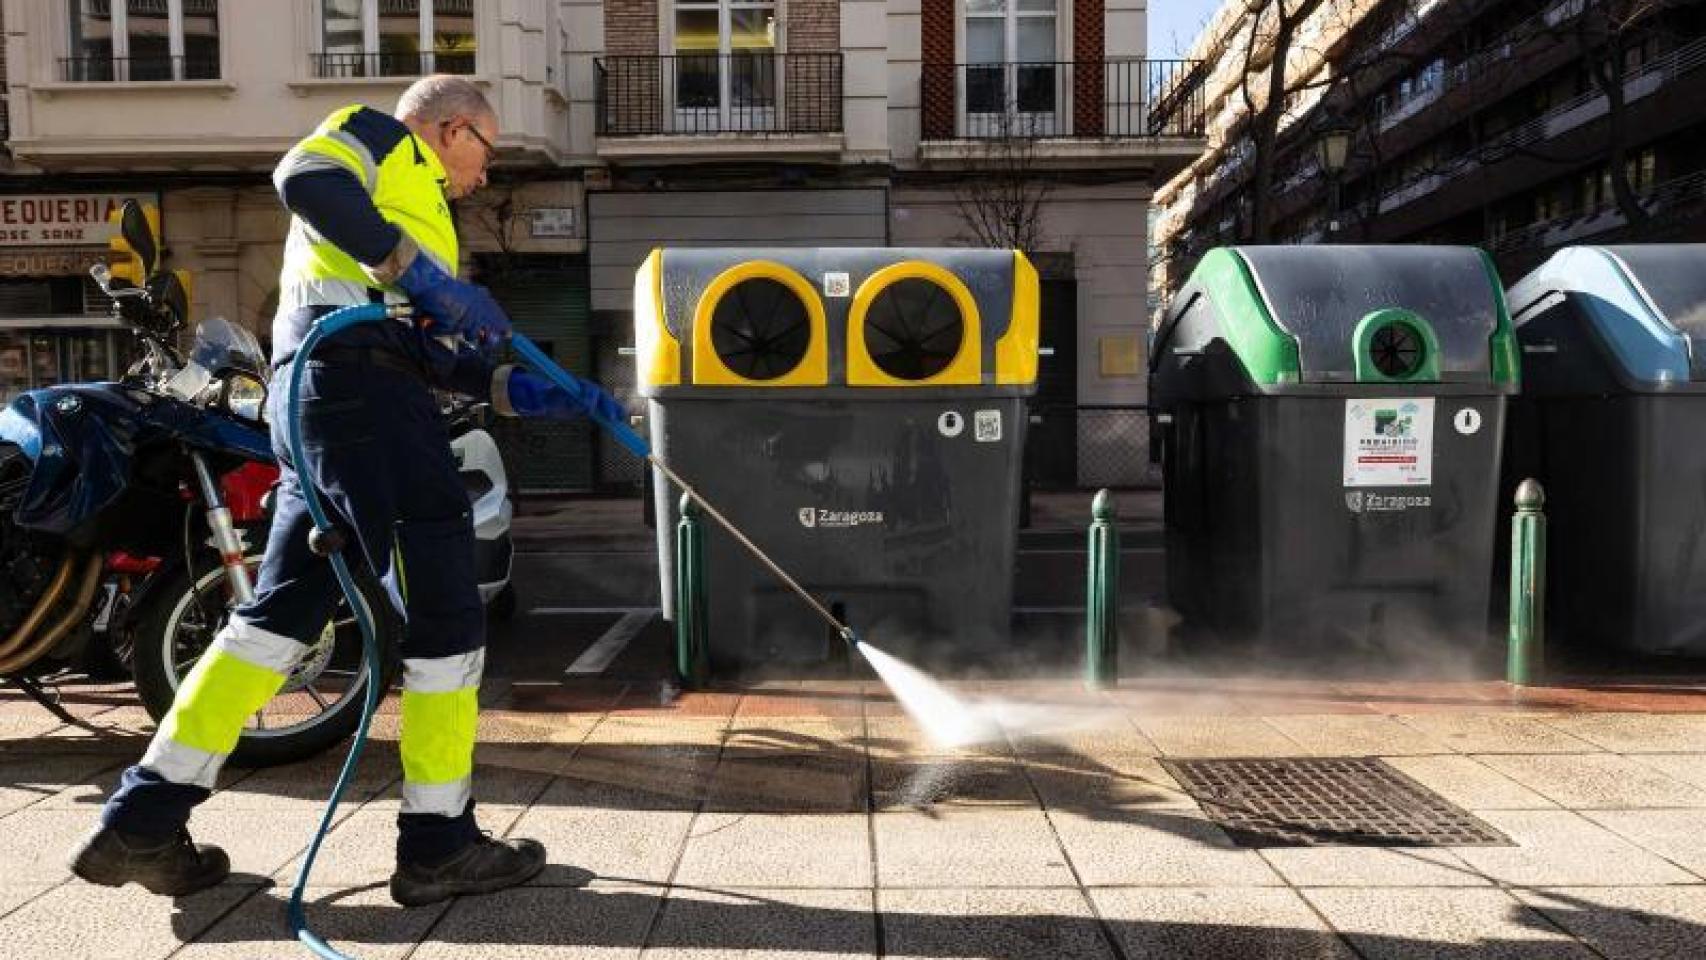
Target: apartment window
pixel 395 38
pixel 725 64
pixel 1012 76
pixel 142 40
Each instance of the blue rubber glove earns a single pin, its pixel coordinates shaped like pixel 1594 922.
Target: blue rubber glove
pixel 450 306
pixel 531 395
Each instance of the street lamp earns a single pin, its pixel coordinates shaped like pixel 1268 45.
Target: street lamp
pixel 1333 146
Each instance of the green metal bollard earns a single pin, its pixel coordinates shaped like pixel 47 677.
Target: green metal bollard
pixel 1526 656
pixel 1101 607
pixel 692 659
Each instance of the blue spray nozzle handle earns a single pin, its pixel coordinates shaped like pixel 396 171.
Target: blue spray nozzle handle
pixel 547 368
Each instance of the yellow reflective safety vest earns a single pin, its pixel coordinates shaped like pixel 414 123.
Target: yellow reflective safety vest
pixel 407 183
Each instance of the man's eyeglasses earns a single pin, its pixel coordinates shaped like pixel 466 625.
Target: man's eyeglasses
pixel 491 151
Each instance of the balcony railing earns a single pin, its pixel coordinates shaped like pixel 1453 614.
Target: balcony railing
pixel 102 9
pixel 137 69
pixel 1088 98
pixel 352 66
pixel 1658 201
pixel 691 94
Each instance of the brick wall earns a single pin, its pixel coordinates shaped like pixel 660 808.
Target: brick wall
pixel 937 40
pixel 631 28
pixel 1089 26
pixel 813 25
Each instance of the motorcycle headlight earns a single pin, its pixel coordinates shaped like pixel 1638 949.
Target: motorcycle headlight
pixel 246 396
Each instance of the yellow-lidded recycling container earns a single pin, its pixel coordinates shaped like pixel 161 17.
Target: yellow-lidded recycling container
pixel 860 414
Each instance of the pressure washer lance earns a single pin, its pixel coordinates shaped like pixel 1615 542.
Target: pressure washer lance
pixel 328 541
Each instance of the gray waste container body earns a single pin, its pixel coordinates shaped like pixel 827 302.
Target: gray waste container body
pixel 893 501
pixel 1316 498
pixel 1613 423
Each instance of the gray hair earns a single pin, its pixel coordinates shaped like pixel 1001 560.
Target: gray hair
pixel 442 97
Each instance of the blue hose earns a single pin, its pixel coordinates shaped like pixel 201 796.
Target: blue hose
pixel 327 326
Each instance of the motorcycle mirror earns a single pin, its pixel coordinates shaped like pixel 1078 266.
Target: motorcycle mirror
pixel 173 298
pixel 134 225
pixel 103 277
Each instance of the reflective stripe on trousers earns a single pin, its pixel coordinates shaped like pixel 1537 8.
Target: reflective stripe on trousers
pixel 440 713
pixel 242 669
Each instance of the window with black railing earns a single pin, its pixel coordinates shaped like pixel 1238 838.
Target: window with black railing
pixel 394 38
pixel 719 93
pixel 142 41
pixel 1092 99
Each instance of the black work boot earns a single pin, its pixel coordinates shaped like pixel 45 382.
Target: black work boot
pixel 173 867
pixel 484 866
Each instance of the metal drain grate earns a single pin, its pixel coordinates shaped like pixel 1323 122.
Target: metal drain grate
pixel 1353 801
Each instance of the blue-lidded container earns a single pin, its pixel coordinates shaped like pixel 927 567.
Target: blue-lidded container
pixel 1613 423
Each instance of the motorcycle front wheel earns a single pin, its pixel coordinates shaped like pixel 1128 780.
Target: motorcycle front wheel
pixel 320 703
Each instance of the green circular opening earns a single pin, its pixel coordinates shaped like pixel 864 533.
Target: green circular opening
pixel 1397 349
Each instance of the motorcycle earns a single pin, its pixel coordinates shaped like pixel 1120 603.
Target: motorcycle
pixel 133 515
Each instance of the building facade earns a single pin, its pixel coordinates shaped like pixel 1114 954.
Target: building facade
pixel 1519 126
pixel 627 124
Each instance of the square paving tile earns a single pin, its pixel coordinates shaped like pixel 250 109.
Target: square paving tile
pixel 602 922
pixel 1637 732
pixel 33 780
pixel 950 781
pixel 1157 848
pixel 1218 737
pixel 1434 924
pixel 39 842
pixel 1469 783
pixel 1089 784
pixel 1562 848
pixel 1371 867
pixel 1009 924
pixel 1493 733
pixel 88 922
pixel 362 923
pixel 1672 834
pixel 777 850
pixel 899 738
pixel 1687 767
pixel 801 782
pixel 1596 780
pixel 362 848
pixel 672 777
pixel 15 895
pixel 659 732
pixel 1104 732
pixel 305 785
pixel 1629 923
pixel 1194 923
pixel 764 925
pixel 968 848
pixel 1356 736
pixel 597 828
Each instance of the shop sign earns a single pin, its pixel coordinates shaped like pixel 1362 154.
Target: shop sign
pixel 62 219
pixel 47 262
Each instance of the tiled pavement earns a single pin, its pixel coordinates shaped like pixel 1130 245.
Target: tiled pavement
pixel 814 820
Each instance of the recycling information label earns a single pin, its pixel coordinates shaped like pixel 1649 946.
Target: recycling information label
pixel 1389 443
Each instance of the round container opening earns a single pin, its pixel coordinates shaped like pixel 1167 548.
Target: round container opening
pixel 1397 350
pixel 913 329
pixel 760 329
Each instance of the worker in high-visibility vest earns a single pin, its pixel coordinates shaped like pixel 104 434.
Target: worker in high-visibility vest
pixel 370 194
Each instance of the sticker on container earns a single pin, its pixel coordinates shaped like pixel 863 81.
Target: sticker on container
pixel 1467 421
pixel 837 285
pixel 951 424
pixel 987 426
pixel 1389 443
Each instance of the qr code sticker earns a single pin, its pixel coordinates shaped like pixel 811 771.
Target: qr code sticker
pixel 987 426
pixel 837 284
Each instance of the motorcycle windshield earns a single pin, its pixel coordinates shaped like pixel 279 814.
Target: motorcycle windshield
pixel 220 346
